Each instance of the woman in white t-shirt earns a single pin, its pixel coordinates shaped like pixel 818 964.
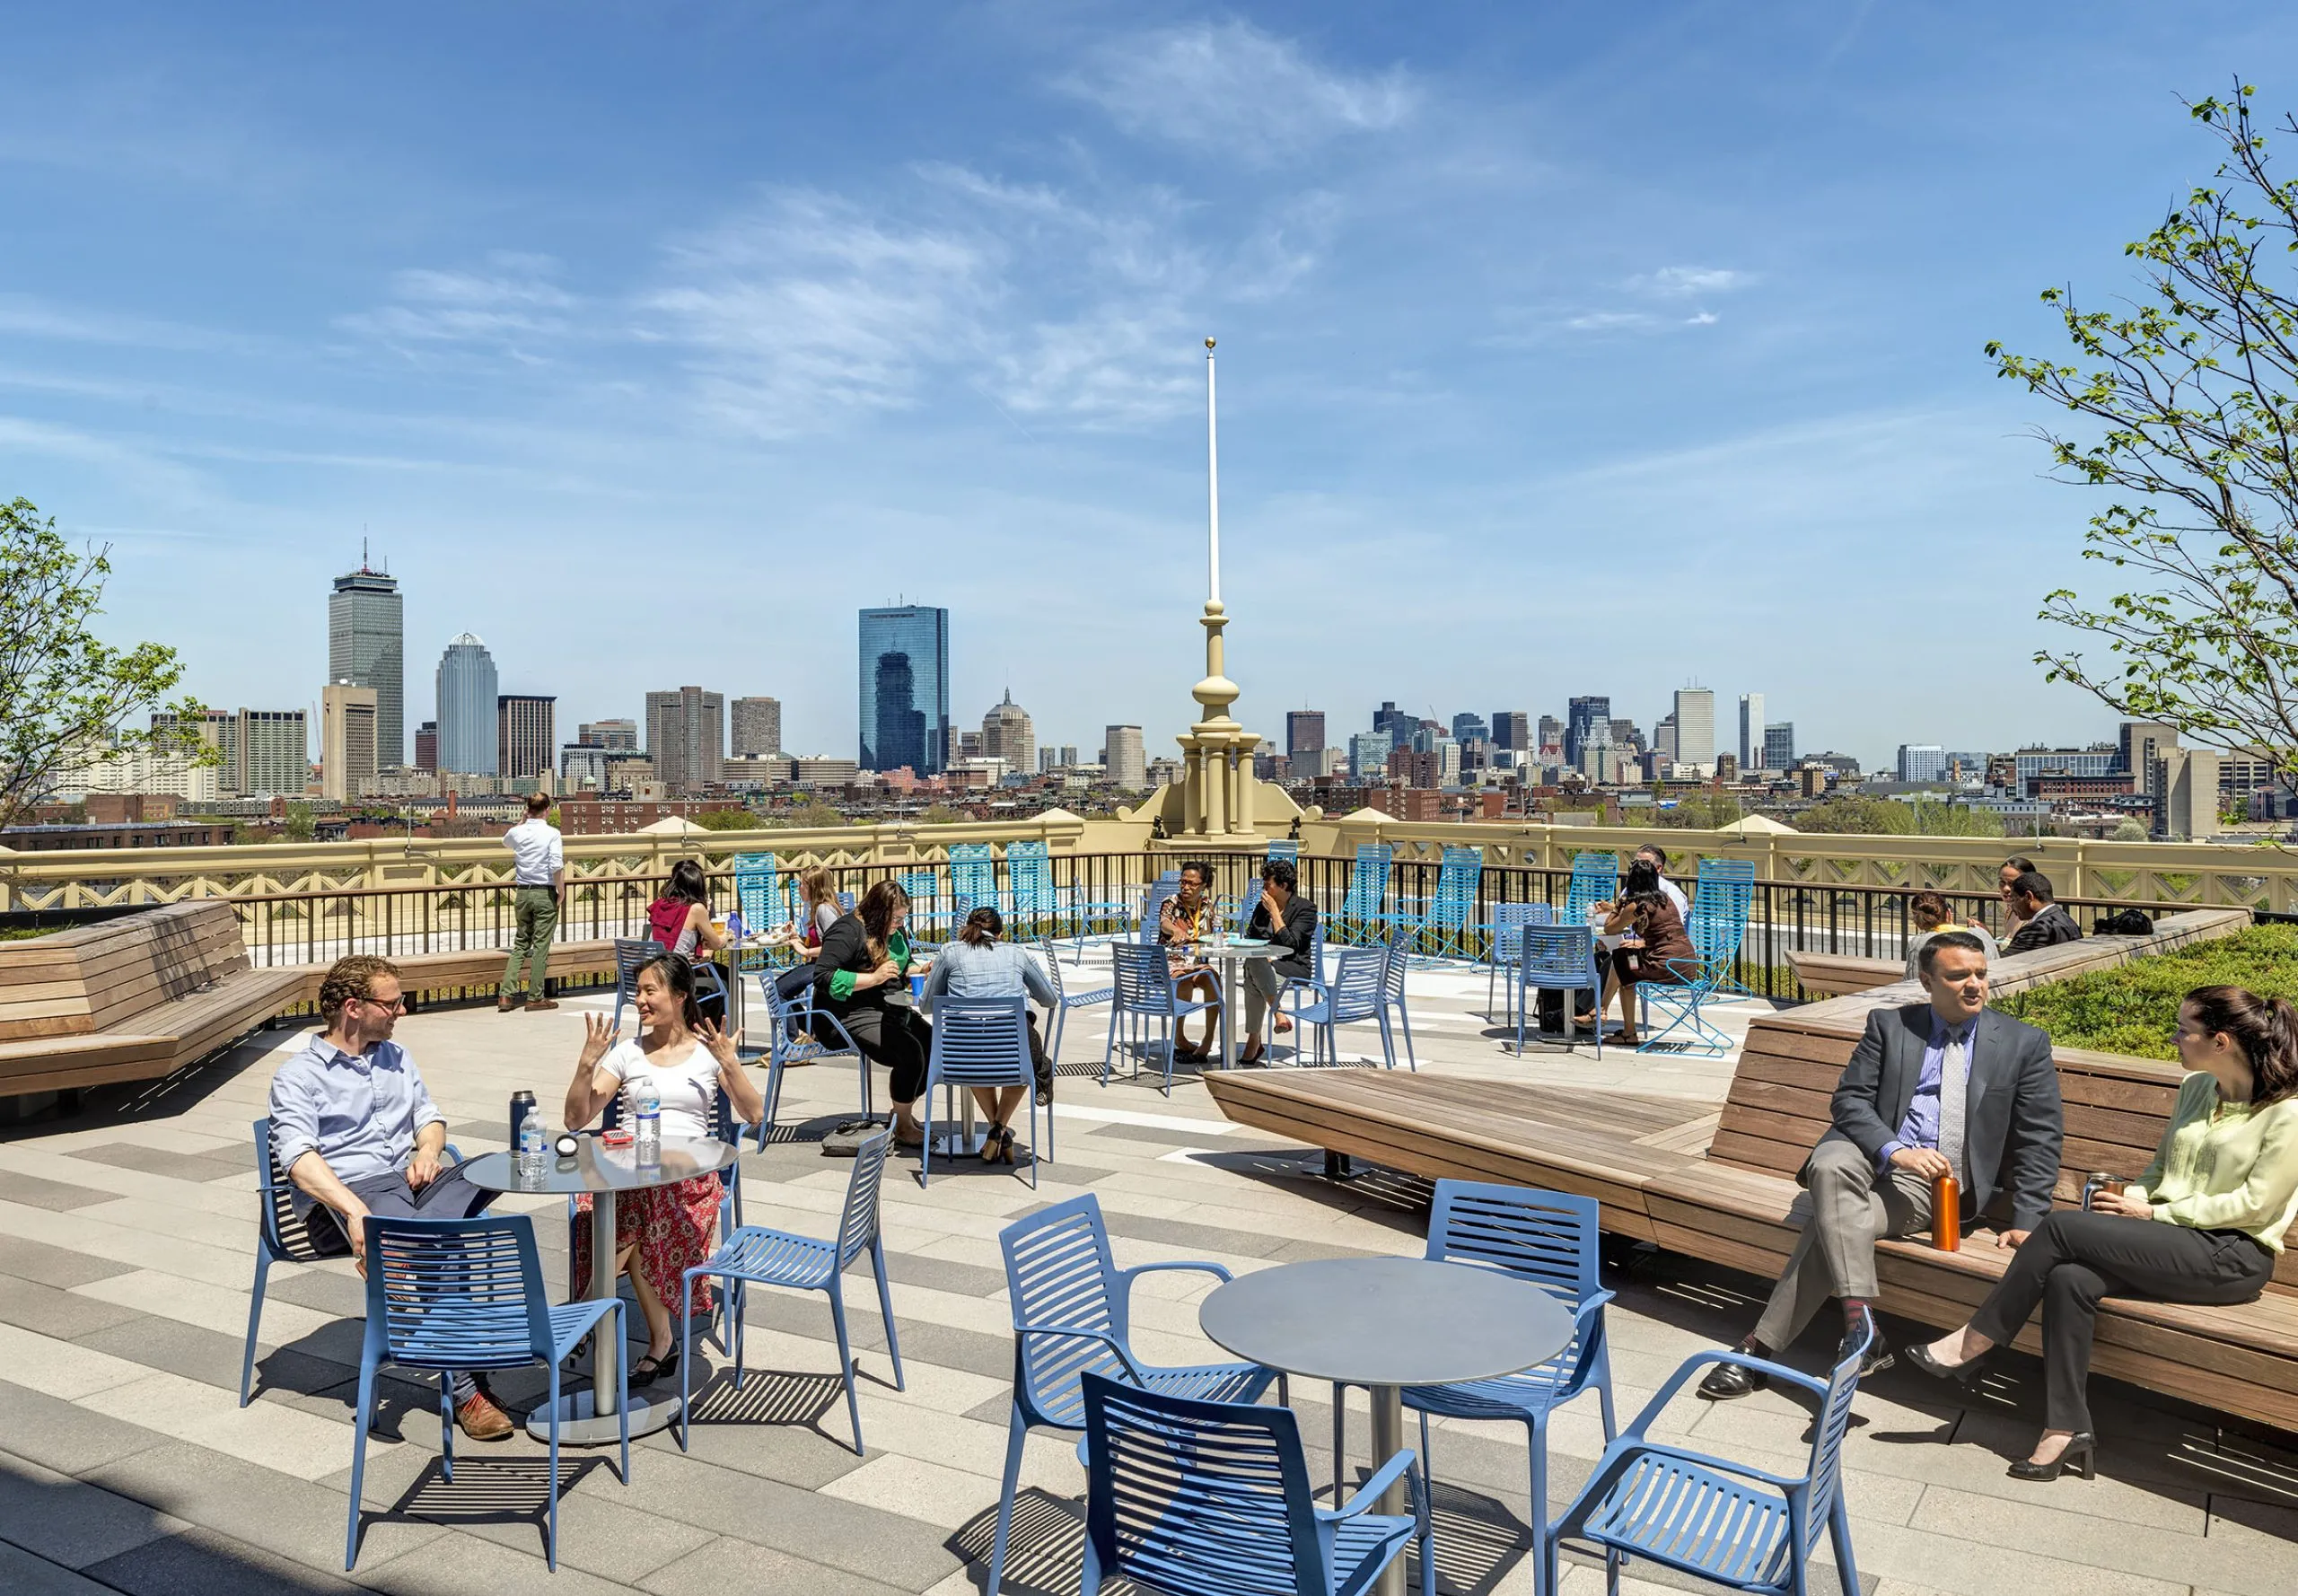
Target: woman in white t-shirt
pixel 661 1231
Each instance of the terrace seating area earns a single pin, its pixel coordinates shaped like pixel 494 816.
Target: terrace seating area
pixel 129 1234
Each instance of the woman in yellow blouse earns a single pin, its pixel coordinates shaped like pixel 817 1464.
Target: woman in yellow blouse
pixel 2204 1223
pixel 1184 920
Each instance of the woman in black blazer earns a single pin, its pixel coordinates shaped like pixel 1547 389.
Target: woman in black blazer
pixel 1288 921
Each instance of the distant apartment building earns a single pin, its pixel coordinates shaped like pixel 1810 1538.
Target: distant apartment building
pixel 275 752
pixel 1369 753
pixel 1779 745
pixel 1512 729
pixel 1471 727
pixel 1304 733
pixel 1922 761
pixel 348 747
pixel 614 733
pixel 686 737
pixel 2183 783
pixel 1695 709
pixel 1751 731
pixel 526 731
pixel 756 724
pixel 366 646
pixel 1550 745
pixel 1586 719
pixel 467 689
pixel 427 747
pixel 1123 763
pixel 1395 723
pixel 1008 734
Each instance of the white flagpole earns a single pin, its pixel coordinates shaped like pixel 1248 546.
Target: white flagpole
pixel 1212 484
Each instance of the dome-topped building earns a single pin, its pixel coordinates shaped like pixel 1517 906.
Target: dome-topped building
pixel 1008 734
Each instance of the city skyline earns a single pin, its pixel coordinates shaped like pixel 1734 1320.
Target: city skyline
pixel 554 311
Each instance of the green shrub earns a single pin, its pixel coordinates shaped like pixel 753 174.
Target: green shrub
pixel 2134 1008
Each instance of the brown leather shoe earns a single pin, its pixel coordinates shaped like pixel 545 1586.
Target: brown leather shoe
pixel 541 1003
pixel 481 1420
pixel 507 1002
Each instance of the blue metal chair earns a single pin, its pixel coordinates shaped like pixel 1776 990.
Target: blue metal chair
pixel 1393 960
pixel 1730 873
pixel 280 1238
pixel 1368 890
pixel 1145 995
pixel 1066 1000
pixel 1719 922
pixel 1248 902
pixel 982 1042
pixel 1440 926
pixel 1213 1499
pixel 756 1256
pixel 1737 1525
pixel 1595 879
pixel 1152 904
pixel 793 1038
pixel 1547 1239
pixel 1506 948
pixel 1353 995
pixel 929 923
pixel 973 872
pixel 629 954
pixel 465 1295
pixel 1029 885
pixel 1290 852
pixel 1558 958
pixel 1072 1317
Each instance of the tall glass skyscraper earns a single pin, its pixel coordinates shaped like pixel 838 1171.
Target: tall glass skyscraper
pixel 906 690
pixel 467 739
pixel 366 647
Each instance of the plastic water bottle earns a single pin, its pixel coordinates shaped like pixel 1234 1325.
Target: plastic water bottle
pixel 646 1122
pixel 533 1143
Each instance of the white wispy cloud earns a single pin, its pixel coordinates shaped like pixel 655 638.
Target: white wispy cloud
pixel 1231 87
pixel 25 315
pixel 513 306
pixel 1688 282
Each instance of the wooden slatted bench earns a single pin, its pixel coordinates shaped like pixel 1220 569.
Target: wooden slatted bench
pixel 1721 1185
pixel 141 996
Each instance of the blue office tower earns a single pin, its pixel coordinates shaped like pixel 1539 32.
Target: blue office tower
pixel 906 690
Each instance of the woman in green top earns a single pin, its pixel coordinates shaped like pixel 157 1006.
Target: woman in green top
pixel 861 975
pixel 2203 1224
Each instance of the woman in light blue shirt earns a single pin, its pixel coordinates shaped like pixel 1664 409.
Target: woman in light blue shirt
pixel 977 965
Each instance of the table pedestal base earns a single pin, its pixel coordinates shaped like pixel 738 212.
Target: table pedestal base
pixel 580 1423
pixel 1387 1439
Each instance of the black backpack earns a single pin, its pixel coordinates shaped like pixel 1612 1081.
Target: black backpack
pixel 2123 922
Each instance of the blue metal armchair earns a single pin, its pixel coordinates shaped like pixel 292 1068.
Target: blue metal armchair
pixel 1394 1014
pixel 280 1238
pixel 1146 998
pixel 795 1035
pixel 1353 994
pixel 982 1042
pixel 1203 1498
pixel 757 1256
pixel 1084 997
pixel 1741 1527
pixel 1557 958
pixel 1361 913
pixel 1072 1312
pixel 466 1294
pixel 1719 924
pixel 1549 1239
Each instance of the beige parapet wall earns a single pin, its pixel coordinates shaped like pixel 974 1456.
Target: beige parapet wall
pixel 2168 873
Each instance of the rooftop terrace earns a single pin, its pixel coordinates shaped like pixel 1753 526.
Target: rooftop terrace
pixel 126 1247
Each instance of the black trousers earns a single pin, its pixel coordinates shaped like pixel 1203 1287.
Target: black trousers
pixel 897 1037
pixel 2073 1259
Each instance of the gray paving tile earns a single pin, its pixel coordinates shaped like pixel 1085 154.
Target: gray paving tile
pixel 70 1523
pixel 789 1429
pixel 731 1567
pixel 213 1358
pixel 458 1565
pixel 299 1520
pixel 198 1167
pixel 972 1351
pixel 333 1290
pixel 864 1540
pixel 934 1274
pixel 58 1266
pixel 31 1306
pixel 23 1574
pixel 1206 1238
pixel 202 1563
pixel 34 1192
pixel 60 1436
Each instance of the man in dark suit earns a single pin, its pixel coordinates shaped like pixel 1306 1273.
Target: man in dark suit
pixel 1946 1087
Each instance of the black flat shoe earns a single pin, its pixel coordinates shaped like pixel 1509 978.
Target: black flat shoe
pixel 1727 1382
pixel 2080 1454
pixel 1963 1373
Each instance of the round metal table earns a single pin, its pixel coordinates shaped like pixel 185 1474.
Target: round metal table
pixel 1230 954
pixel 587 1418
pixel 1386 1323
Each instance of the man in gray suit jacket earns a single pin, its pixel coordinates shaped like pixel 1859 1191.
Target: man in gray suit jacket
pixel 1900 1123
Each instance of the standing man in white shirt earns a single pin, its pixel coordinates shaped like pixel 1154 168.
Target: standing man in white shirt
pixel 539 872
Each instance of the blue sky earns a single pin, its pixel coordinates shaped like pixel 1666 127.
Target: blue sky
pixel 1564 348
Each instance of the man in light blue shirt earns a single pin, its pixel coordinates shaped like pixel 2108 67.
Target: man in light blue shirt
pixel 358 1134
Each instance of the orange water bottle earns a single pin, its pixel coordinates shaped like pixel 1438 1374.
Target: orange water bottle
pixel 1947 1215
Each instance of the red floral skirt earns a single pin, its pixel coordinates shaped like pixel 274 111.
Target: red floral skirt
pixel 673 1227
